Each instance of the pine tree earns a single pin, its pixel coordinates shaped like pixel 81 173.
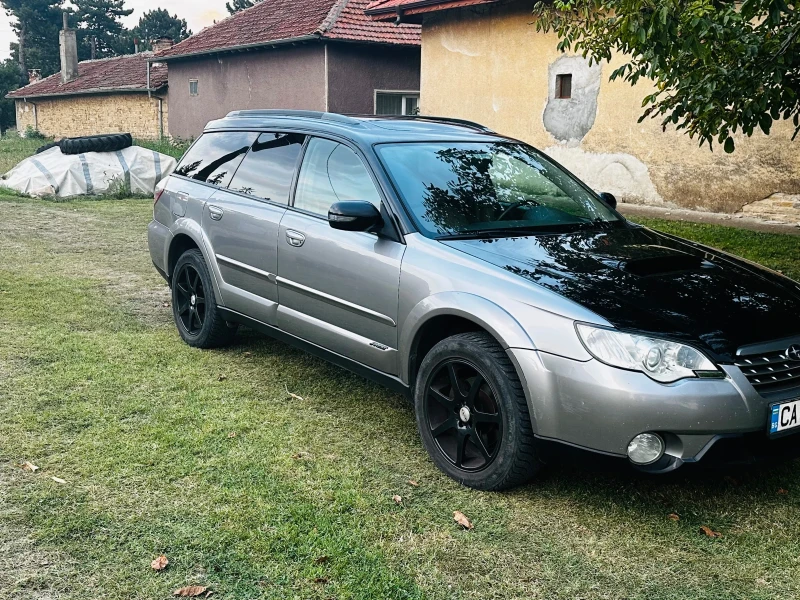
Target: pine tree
pixel 238 5
pixel 157 24
pixel 36 23
pixel 100 30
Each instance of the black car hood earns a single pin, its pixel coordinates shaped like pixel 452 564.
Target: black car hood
pixel 639 279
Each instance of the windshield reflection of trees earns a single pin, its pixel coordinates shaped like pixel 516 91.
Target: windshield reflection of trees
pixel 482 182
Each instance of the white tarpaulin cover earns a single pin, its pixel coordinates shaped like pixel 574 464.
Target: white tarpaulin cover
pixel 52 173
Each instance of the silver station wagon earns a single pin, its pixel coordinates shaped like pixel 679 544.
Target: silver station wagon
pixel 512 303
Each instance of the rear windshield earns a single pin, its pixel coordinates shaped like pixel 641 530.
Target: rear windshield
pixel 464 188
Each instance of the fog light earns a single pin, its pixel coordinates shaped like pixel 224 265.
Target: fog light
pixel 645 448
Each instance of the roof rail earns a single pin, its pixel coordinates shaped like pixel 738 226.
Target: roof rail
pixel 288 114
pixel 450 120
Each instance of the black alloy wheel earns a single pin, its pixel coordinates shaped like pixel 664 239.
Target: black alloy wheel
pixel 198 317
pixel 190 299
pixel 463 415
pixel 472 413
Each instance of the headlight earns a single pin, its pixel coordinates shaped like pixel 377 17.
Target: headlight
pixel 658 359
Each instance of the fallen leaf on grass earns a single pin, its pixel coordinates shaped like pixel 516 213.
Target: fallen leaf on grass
pixel 301 455
pixel 160 563
pixel 413 483
pixel 192 591
pixel 322 560
pixel 232 434
pixel 783 492
pixel 222 377
pixel 321 580
pixel 29 467
pixel 166 305
pixel 58 479
pixel 397 499
pixel 673 517
pixel 462 519
pixel 291 395
pixel 710 532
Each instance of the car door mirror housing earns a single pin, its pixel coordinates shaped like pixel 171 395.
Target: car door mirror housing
pixel 609 199
pixel 354 216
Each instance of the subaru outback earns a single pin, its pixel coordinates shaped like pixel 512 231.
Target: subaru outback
pixel 514 305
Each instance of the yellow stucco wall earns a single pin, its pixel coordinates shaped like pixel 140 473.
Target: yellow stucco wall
pixel 75 116
pixel 491 66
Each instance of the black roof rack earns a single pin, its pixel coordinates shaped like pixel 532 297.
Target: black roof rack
pixel 432 119
pixel 351 119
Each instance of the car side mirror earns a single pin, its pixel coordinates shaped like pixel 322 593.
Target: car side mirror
pixel 609 199
pixel 354 216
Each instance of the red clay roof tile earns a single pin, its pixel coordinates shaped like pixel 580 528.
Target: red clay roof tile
pixel 382 10
pixel 272 21
pixel 122 73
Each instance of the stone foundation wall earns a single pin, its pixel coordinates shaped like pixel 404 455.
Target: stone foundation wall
pixel 76 116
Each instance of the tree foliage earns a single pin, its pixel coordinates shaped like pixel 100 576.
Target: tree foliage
pixel 100 29
pixel 719 67
pixel 235 6
pixel 157 24
pixel 9 81
pixel 36 24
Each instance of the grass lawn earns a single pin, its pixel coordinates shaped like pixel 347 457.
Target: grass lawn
pixel 207 458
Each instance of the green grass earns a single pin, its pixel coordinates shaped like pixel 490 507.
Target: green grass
pixel 96 388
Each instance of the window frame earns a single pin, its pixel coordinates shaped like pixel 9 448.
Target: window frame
pixel 196 83
pixel 404 94
pixel 561 78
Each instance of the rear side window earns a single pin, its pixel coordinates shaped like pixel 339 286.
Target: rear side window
pixel 268 169
pixel 215 156
pixel 332 173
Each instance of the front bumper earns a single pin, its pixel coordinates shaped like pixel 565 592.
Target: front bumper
pixel 600 408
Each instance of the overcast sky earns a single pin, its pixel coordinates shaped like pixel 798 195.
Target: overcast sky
pixel 199 14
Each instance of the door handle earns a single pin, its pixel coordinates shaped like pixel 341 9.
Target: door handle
pixel 295 238
pixel 216 213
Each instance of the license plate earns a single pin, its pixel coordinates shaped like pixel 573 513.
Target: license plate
pixel 785 416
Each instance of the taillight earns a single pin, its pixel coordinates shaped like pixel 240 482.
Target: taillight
pixel 157 196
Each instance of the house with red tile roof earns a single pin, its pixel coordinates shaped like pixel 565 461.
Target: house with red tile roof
pixel 122 94
pixel 322 55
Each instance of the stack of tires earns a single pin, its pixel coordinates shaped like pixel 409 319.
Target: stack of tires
pixel 92 143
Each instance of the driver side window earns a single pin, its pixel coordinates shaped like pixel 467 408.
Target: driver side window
pixel 332 173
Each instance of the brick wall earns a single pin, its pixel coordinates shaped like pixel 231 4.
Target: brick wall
pixel 75 116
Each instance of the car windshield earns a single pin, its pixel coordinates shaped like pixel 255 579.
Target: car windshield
pixel 475 189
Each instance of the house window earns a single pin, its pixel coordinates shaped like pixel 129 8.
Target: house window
pixel 564 86
pixel 397 103
pixel 194 87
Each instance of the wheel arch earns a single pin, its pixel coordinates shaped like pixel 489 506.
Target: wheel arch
pixel 442 315
pixel 187 235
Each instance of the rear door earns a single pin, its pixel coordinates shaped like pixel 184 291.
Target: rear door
pixel 242 223
pixel 338 289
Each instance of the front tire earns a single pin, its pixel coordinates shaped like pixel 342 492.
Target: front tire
pixel 194 304
pixel 472 414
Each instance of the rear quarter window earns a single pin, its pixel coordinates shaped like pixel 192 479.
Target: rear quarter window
pixel 215 157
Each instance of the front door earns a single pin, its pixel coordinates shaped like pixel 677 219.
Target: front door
pixel 242 224
pixel 338 289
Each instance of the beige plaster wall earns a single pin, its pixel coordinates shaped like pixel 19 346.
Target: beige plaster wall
pixel 491 66
pixel 75 116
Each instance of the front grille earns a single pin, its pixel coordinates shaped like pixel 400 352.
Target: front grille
pixel 770 372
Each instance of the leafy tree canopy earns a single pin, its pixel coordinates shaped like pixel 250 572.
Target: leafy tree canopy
pixel 36 23
pixel 235 6
pixel 158 24
pixel 719 66
pixel 9 81
pixel 100 27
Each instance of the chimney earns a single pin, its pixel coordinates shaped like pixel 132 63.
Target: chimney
pixel 162 44
pixel 69 52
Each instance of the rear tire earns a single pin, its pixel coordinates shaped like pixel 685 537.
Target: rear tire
pixel 472 414
pixel 194 304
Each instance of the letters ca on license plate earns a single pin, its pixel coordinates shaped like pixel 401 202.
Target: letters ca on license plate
pixel 784 416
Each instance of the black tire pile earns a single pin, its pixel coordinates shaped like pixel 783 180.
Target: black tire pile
pixel 92 143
